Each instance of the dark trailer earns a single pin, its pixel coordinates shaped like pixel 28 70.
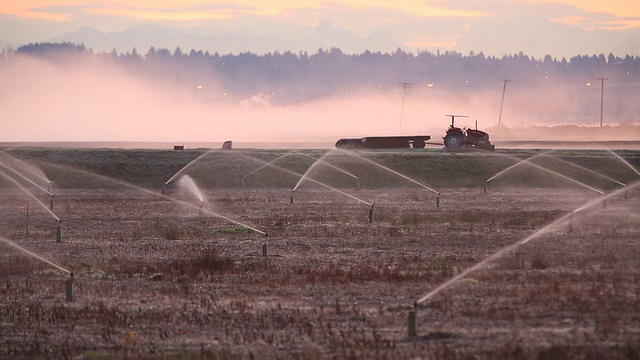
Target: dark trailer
pixel 385 142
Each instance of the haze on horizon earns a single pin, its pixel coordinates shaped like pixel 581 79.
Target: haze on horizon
pixel 103 101
pixel 101 98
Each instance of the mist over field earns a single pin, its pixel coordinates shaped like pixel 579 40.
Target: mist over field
pixel 87 97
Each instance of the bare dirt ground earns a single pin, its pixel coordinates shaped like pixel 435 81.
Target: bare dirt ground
pixel 154 278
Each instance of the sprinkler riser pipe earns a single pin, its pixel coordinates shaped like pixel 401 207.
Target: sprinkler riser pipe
pixel 164 189
pixel 571 223
pixel 438 201
pixel 412 331
pixel 69 289
pixel 265 250
pixel 51 204
pixel 518 260
pixel 59 234
pixel 626 196
pixel 485 188
pixel 358 185
pixel 26 230
pixel 371 214
pixel 242 183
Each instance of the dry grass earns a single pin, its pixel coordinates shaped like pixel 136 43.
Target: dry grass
pixel 153 279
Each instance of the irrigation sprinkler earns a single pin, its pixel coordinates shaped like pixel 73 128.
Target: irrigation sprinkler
pixel 625 195
pixel 201 206
pixel 438 201
pixel 242 182
pixel 486 184
pixel 51 202
pixel 358 184
pixel 371 213
pixel 164 189
pixel 59 232
pixel 519 263
pixel 571 223
pixel 291 197
pixel 49 186
pixel 26 232
pixel 69 288
pixel 412 323
pixel 604 201
pixel 265 246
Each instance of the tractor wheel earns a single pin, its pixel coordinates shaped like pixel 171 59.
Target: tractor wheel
pixel 418 144
pixel 452 141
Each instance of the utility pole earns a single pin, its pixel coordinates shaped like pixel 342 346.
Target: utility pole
pixel 404 86
pixel 602 79
pixel 504 90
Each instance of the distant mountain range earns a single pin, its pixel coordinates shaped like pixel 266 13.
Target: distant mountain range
pixel 534 36
pixel 545 37
pixel 143 37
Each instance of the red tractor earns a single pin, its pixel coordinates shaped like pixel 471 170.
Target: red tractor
pixel 458 139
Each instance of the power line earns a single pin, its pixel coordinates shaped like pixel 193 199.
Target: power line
pixel 504 89
pixel 602 79
pixel 404 86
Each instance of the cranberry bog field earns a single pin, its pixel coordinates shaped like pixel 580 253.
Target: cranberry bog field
pixel 312 254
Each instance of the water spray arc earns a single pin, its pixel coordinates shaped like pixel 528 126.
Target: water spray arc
pixel 305 176
pixel 28 168
pixel 265 164
pixel 164 186
pixel 291 200
pixel 396 173
pixel 528 162
pixel 47 209
pixel 567 217
pixel 335 168
pixel 625 162
pixel 188 182
pixel 588 170
pixel 47 191
pixel 68 284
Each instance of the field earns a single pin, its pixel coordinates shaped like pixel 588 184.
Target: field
pixel 183 274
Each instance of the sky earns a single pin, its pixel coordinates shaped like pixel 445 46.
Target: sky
pixel 495 27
